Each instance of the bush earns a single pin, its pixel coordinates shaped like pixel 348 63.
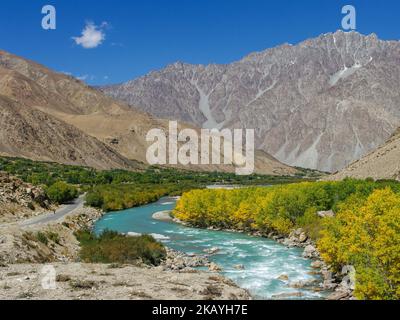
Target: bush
pixel 311 223
pixel 53 236
pixel 61 192
pixel 366 234
pixel 41 237
pixel 112 247
pixel 94 199
pixel 278 209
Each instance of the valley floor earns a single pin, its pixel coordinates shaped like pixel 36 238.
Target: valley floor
pixel 106 282
pixel 28 250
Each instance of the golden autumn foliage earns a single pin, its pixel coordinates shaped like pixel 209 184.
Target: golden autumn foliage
pixel 365 232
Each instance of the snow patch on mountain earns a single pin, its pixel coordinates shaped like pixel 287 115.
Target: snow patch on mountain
pixel 344 73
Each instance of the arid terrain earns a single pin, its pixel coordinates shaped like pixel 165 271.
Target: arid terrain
pixel 382 163
pixel 54 117
pixel 26 250
pixel 322 103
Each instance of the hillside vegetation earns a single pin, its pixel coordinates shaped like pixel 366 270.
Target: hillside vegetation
pixel 365 231
pixel 120 189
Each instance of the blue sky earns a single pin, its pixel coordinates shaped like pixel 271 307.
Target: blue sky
pixel 146 35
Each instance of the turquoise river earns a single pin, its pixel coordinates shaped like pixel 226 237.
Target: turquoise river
pixel 264 260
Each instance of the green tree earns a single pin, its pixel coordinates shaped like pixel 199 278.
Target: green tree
pixel 61 192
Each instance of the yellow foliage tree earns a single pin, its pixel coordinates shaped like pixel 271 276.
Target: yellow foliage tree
pixel 366 234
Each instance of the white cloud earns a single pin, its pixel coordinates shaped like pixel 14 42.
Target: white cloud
pixel 92 35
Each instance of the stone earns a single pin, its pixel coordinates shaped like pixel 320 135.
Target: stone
pixel 303 284
pixel 329 285
pixel 349 280
pixel 303 237
pixel 327 275
pixel 213 267
pixel 283 277
pixel 347 269
pixel 213 250
pixel 310 252
pixel 239 267
pixel 298 232
pixel 317 264
pixel 287 295
pixel 338 295
pixel 326 214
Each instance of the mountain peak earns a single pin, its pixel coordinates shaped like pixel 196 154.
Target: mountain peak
pixel 321 104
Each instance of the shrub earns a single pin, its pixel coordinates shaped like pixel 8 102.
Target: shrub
pixel 53 236
pixel 112 247
pixel 61 192
pixel 311 223
pixel 41 237
pixel 366 234
pixel 94 199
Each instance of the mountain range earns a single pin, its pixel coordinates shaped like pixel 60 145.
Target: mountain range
pixel 322 104
pixel 50 116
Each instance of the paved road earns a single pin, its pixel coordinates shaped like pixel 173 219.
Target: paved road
pixel 60 213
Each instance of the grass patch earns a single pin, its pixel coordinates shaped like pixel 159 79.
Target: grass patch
pixel 41 237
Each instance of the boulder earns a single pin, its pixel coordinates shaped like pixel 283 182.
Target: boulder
pixel 326 214
pixel 338 295
pixel 283 277
pixel 318 264
pixel 310 252
pixel 239 267
pixel 329 285
pixel 213 267
pixel 303 284
pixel 349 280
pixel 283 296
pixel 303 237
pixel 213 250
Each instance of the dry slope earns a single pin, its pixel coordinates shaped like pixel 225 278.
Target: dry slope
pixel 94 129
pixel 383 163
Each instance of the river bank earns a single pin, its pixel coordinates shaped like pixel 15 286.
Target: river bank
pixel 80 281
pixel 27 252
pixel 341 285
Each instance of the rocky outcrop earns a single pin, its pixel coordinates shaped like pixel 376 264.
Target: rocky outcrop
pixel 53 242
pixel 322 103
pixel 179 261
pixel 341 284
pixel 20 200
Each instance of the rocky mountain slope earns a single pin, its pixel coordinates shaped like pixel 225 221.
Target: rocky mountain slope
pixel 383 163
pixel 51 116
pixel 320 104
